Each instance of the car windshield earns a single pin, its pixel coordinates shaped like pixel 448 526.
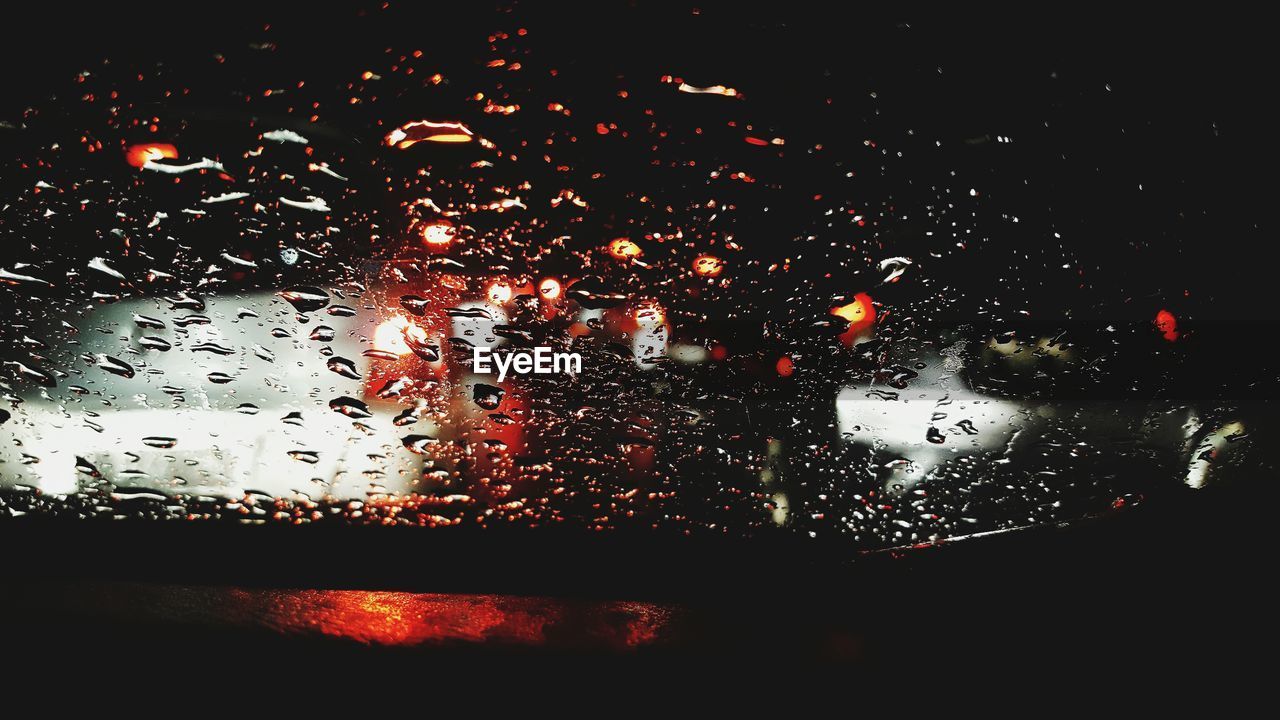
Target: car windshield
pixel 502 273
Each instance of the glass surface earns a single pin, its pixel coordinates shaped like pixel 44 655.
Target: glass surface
pixel 247 282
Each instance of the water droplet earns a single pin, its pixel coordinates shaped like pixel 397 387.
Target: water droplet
pixel 414 304
pixel 410 415
pixel 152 342
pixel 350 407
pixel 36 375
pixel 188 320
pixel 418 443
pixel 343 367
pixel 214 348
pixel 593 294
pixel 148 322
pixel 393 388
pixel 423 348
pixel 894 267
pixel 116 366
pixel 487 396
pixel 305 298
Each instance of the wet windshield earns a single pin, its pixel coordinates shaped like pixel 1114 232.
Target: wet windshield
pixel 876 295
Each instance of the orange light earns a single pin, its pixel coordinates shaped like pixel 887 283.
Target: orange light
pixel 786 366
pixel 549 288
pixel 860 313
pixel 438 233
pixel 708 265
pixel 139 155
pixel 410 134
pixel 624 248
pixel 713 90
pixel 389 336
pixel 499 293
pixel 1167 324
pixel 650 315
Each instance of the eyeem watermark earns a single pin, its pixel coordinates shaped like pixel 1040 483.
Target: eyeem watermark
pixel 539 361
